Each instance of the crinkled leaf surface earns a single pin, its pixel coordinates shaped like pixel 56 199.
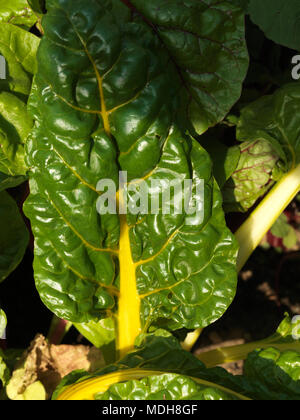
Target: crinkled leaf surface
pixel 206 42
pixel 253 176
pixel 15 125
pixel 14 235
pixel 17 12
pixel 275 118
pixel 164 387
pixel 269 374
pixel 103 101
pixel 279 19
pixel 19 48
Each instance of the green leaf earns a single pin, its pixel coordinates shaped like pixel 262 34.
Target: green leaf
pixel 19 48
pixel 279 19
pixel 277 373
pixel 253 176
pixel 269 374
pixel 164 387
pixel 275 118
pixel 281 228
pixel 14 236
pixel 225 159
pixel 7 181
pixel 102 335
pixel 211 61
pixel 37 6
pixel 17 13
pixel 149 268
pixel 15 126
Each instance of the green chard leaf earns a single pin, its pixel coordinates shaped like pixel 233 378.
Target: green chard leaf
pixel 211 62
pixel 253 177
pixel 37 6
pixel 103 100
pixel 269 132
pixel 279 19
pixel 15 126
pixel 14 236
pixel 161 360
pixel 19 48
pixel 275 118
pixel 17 12
pixel 7 181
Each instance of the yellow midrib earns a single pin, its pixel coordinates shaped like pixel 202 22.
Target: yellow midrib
pixel 129 323
pixel 87 390
pixel 128 320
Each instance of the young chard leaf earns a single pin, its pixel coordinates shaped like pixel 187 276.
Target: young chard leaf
pixel 14 235
pixel 103 101
pixel 17 12
pixel 7 181
pixel 19 48
pixel 253 176
pixel 275 118
pixel 269 131
pixel 15 126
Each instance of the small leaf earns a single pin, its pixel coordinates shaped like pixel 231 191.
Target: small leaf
pixel 252 178
pixel 14 236
pixel 17 13
pixel 15 126
pixel 19 48
pixel 7 181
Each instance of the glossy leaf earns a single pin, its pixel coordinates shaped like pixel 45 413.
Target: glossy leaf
pixel 102 101
pixel 278 19
pixel 164 387
pixel 206 42
pixel 275 371
pixel 102 335
pixel 158 358
pixel 19 48
pixel 14 235
pixel 15 126
pixel 17 12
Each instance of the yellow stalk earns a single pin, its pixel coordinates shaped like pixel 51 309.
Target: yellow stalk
pixel 251 233
pixel 129 324
pixel 87 390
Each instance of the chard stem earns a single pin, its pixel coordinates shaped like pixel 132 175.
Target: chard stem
pixel 251 233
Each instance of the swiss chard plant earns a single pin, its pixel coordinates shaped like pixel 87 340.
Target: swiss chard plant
pixel 108 87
